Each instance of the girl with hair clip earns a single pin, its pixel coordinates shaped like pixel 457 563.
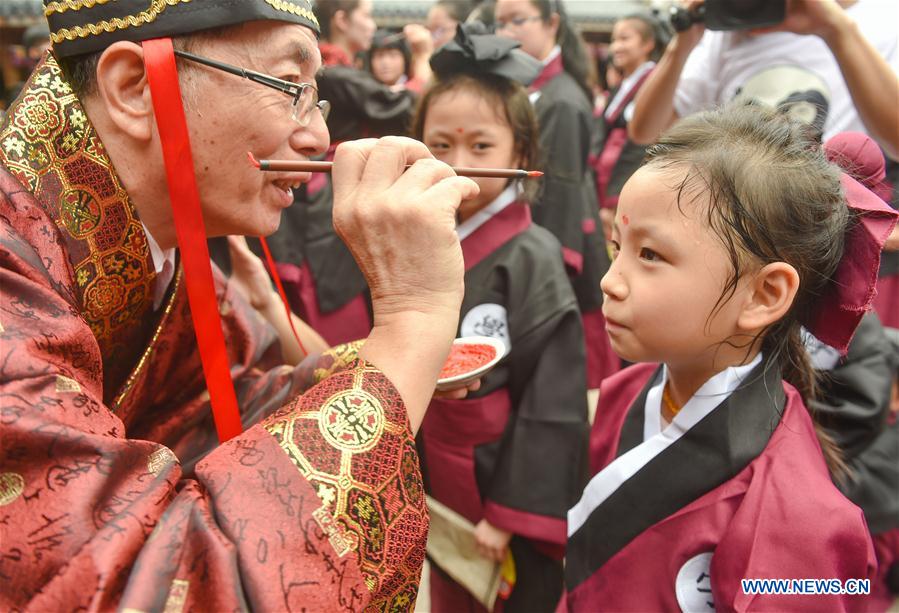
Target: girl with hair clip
pixel 510 458
pixel 638 41
pixel 566 205
pixel 709 468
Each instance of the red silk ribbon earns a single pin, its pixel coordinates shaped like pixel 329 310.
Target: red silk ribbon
pixel 274 273
pixel 162 75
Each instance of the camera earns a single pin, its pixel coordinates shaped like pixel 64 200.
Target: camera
pixel 730 14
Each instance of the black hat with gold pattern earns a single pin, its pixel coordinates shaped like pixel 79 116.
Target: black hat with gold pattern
pixel 86 26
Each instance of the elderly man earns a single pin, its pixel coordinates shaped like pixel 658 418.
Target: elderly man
pixel 113 491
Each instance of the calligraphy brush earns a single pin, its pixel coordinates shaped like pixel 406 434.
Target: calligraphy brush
pixel 312 166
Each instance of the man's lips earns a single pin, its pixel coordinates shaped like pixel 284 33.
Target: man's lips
pixel 290 180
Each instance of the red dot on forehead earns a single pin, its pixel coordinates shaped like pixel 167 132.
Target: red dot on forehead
pixel 460 130
pixel 625 219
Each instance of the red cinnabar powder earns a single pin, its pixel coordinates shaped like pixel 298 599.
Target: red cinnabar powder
pixel 466 358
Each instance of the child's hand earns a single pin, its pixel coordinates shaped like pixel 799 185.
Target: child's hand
pixel 493 543
pixel 458 393
pixel 248 274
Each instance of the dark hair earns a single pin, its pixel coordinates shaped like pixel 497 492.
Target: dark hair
pixel 508 95
pixel 574 56
pixel 393 42
pixel 326 9
pixel 652 29
pixel 485 12
pixel 773 197
pixel 458 10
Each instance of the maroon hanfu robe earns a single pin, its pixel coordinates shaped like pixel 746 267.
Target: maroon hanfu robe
pixel 113 493
pixel 744 493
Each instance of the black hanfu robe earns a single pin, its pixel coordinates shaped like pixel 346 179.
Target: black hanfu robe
pixel 854 407
pixel 735 488
pixel 566 205
pixel 514 452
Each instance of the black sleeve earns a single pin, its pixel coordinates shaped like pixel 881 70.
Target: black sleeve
pixel 361 106
pixel 854 399
pixel 542 457
pixel 565 134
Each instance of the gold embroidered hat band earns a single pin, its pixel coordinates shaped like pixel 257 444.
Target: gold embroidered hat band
pixel 85 26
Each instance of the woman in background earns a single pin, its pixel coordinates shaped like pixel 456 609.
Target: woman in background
pixel 566 206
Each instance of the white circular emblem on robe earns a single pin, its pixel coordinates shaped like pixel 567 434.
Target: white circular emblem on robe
pixel 487 320
pixel 693 585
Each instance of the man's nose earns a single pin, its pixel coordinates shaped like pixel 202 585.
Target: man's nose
pixel 314 139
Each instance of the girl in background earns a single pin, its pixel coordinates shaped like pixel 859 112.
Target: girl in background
pixel 444 17
pixel 709 467
pixel 507 458
pixel 566 206
pixel 637 42
pixel 388 58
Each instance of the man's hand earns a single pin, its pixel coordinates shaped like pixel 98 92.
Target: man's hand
pixel 492 542
pixel 818 17
pixel 688 39
pixel 400 226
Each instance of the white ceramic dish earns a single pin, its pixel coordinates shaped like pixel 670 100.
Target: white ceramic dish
pixel 465 378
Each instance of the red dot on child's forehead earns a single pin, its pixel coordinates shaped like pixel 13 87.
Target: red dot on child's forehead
pixel 460 130
pixel 625 219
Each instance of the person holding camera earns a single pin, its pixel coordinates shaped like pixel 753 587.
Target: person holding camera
pixel 845 80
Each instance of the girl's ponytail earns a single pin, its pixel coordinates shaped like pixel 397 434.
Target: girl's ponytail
pixel 574 55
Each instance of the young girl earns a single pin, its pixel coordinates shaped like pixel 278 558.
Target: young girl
pixel 388 58
pixel 566 205
pixel 727 242
pixel 637 42
pixel 495 457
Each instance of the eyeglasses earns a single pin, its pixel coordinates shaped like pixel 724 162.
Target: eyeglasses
pixel 517 22
pixel 304 95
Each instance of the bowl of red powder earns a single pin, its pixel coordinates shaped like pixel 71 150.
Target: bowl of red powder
pixel 470 358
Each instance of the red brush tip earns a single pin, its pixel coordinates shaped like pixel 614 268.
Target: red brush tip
pixel 535 173
pixel 255 162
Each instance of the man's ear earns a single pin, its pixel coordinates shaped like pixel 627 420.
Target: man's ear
pixel 124 91
pixel 771 293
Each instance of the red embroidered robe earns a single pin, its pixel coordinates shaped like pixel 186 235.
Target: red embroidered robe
pixel 113 493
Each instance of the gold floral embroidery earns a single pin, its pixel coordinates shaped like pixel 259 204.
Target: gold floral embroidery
pixel 11 487
pixel 293 9
pixel 342 355
pixel 51 148
pixel 159 459
pixel 67 385
pixel 116 23
pixel 177 596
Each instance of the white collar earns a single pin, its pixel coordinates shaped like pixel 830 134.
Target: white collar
pixel 553 54
pixel 710 396
pixel 712 393
pixel 507 197
pixel 626 86
pixel 163 264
